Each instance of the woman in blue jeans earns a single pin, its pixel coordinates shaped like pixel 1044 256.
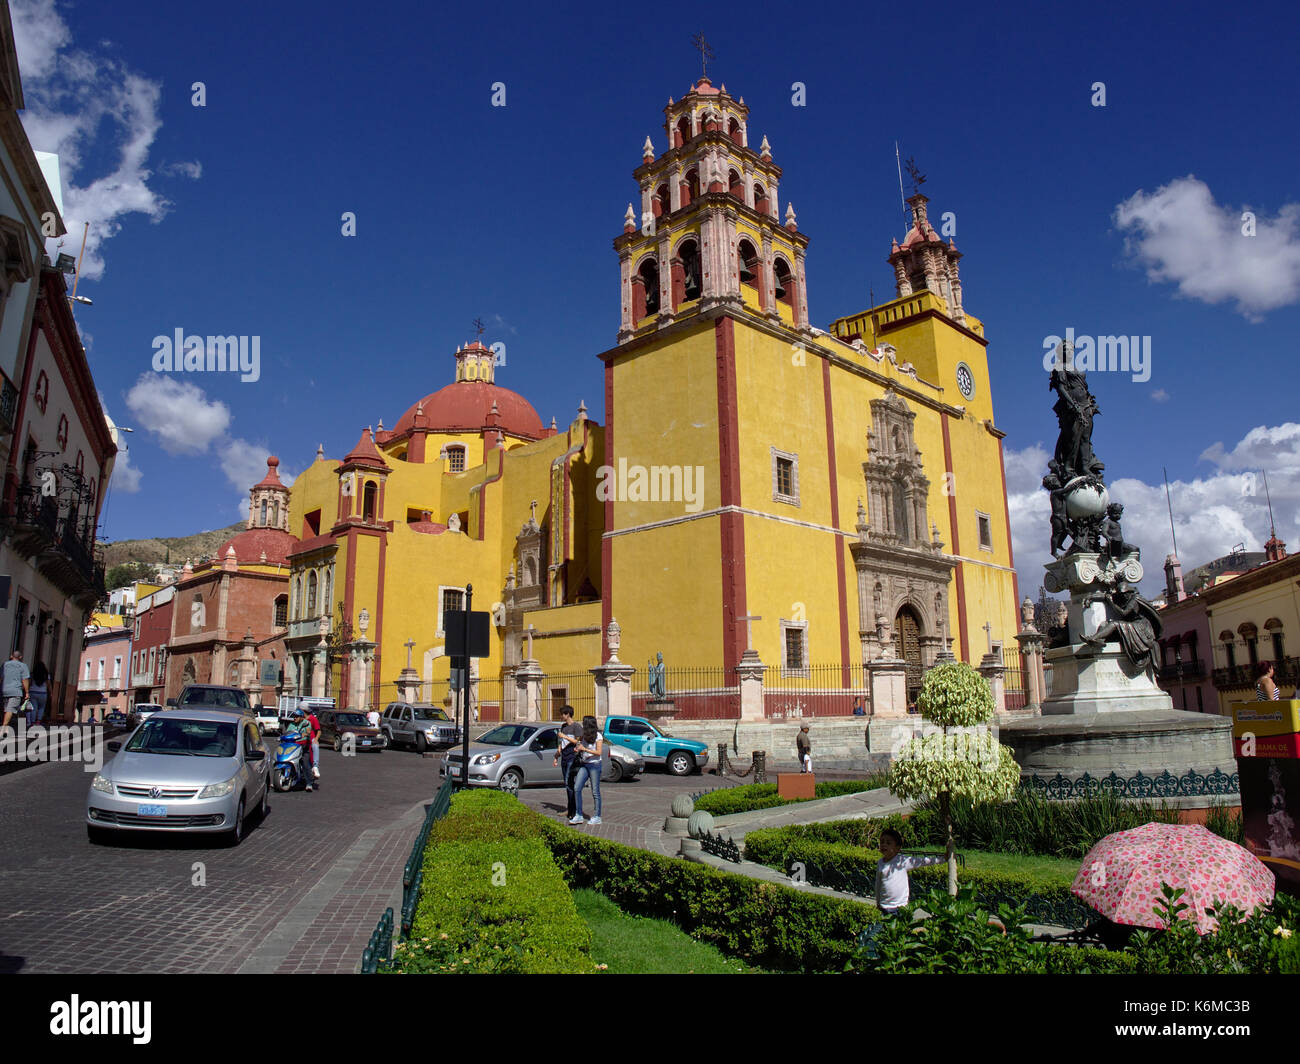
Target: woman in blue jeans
pixel 590 748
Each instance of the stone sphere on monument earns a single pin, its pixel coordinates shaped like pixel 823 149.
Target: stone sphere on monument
pixel 683 805
pixel 1087 500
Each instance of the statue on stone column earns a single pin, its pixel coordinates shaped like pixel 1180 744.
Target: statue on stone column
pixel 1056 493
pixel 1075 408
pixel 656 677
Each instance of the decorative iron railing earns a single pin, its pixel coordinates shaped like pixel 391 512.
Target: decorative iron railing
pixel 1191 784
pixel 380 950
pixel 1182 671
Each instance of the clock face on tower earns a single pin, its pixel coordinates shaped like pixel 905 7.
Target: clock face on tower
pixel 965 381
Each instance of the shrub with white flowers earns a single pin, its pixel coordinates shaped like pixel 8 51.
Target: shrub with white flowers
pixel 963 759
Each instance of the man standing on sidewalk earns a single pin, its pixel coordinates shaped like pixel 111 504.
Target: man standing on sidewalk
pixel 15 685
pixel 804 747
pixel 567 756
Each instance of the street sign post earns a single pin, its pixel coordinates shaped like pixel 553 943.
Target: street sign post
pixel 468 636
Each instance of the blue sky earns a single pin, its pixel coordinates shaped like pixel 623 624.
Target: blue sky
pixel 1122 219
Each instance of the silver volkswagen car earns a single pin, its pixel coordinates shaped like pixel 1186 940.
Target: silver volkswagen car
pixel 518 755
pixel 182 770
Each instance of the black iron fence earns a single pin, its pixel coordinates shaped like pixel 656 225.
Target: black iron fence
pixel 1013 683
pixel 698 693
pixel 576 689
pixel 814 691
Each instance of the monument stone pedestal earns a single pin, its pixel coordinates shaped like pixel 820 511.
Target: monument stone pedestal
pixel 659 710
pixel 1107 725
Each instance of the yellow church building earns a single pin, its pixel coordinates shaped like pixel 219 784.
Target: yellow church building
pixel 761 489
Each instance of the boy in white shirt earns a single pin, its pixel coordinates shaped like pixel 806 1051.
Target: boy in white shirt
pixel 892 890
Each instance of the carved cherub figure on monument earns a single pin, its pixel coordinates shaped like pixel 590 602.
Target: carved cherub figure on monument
pixel 1115 546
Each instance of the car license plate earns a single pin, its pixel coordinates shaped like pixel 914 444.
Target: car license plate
pixel 151 810
pixel 365 742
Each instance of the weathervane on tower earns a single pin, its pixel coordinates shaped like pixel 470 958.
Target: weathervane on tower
pixel 479 326
pixel 706 53
pixel 917 178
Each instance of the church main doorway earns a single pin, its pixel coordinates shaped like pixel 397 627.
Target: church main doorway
pixel 907 645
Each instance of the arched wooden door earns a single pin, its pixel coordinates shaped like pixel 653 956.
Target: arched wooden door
pixel 907 645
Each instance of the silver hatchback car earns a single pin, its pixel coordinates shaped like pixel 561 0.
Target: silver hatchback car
pixel 182 770
pixel 518 755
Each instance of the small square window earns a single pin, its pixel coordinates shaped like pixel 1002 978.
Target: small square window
pixel 986 531
pixel 785 477
pixel 794 648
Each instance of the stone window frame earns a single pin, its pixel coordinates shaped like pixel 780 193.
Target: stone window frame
pixel 802 628
pixel 793 459
pixel 441 633
pixel 981 515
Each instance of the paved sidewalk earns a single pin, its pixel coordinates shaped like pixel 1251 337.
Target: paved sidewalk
pixel 860 806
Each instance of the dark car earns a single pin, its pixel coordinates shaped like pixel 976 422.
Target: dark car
pixel 115 718
pixel 213 696
pixel 337 724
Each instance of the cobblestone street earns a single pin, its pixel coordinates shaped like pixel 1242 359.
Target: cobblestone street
pixel 301 893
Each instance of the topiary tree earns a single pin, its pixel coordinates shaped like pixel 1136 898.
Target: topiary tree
pixel 963 759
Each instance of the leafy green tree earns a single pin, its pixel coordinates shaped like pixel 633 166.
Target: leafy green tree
pixel 962 758
pixel 127 573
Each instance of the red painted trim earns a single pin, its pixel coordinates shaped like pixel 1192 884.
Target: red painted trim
pixel 1006 512
pixel 482 493
pixel 606 544
pixel 349 584
pixel 379 614
pixel 379 503
pixel 958 573
pixel 731 525
pixel 845 666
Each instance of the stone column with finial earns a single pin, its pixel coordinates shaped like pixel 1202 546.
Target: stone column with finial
pixel 613 678
pixel 1031 655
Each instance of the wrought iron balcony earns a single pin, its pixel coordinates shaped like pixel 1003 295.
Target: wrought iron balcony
pixel 1182 672
pixel 1234 677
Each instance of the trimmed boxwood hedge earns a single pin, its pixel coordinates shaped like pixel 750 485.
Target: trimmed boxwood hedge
pixel 492 898
pixel 844 852
pixel 752 796
pixel 771 926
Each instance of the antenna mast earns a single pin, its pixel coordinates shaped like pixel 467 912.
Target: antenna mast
pixel 1171 510
pixel 1272 529
pixel 902 202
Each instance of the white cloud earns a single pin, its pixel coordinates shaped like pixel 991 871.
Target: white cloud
pixel 244 464
pixel 178 413
pixel 1212 513
pixel 1160 395
pixel 80 105
pixel 125 476
pixel 1181 235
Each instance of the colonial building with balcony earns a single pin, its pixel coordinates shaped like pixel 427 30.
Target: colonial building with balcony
pixel 230 613
pixel 151 629
pixel 103 682
pixel 1254 618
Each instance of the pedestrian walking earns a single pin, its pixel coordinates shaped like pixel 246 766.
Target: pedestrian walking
pixel 39 692
pixel 590 748
pixel 15 683
pixel 567 756
pixel 373 718
pixel 803 746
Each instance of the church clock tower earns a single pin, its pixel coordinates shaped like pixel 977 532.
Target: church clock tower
pixel 709 231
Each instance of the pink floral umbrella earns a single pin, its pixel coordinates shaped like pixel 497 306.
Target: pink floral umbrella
pixel 1122 875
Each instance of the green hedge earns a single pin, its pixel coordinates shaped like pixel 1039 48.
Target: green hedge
pixel 767 924
pixel 843 854
pixel 492 898
pixel 1035 826
pixel 753 796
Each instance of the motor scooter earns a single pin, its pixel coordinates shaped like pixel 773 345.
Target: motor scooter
pixel 291 770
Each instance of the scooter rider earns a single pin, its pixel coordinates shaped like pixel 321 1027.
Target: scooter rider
pixel 302 729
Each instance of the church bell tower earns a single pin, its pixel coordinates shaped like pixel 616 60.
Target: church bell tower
pixel 709 229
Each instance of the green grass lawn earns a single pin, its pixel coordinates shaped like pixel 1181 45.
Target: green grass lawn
pixel 638 945
pixel 1057 869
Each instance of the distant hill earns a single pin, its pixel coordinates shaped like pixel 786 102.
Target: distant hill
pixel 199 545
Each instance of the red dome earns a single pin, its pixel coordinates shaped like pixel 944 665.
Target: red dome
pixel 467 406
pixel 250 544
